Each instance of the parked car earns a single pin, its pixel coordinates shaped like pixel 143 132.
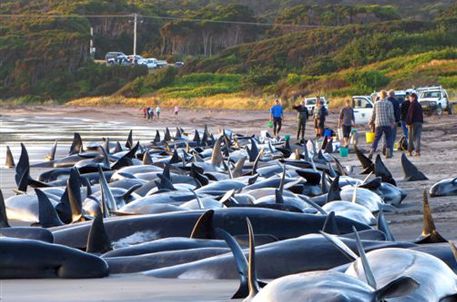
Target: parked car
pixel 151 63
pixel 434 99
pixel 310 103
pixel 161 63
pixel 363 108
pixel 179 64
pixel 116 57
pixel 136 59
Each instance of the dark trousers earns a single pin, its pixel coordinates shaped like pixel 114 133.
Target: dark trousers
pixel 379 131
pixel 301 129
pixel 277 123
pixel 392 138
pixel 414 141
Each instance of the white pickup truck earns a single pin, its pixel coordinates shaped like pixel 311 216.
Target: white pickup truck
pixel 434 100
pixel 363 108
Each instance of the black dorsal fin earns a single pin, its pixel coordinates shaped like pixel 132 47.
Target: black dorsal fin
pixel 98 240
pixel 204 228
pixel 52 154
pixel 363 258
pixel 74 195
pixel 383 226
pixel 330 226
pixel 106 145
pixel 129 142
pixel 410 170
pixel 429 232
pixel 278 196
pixel 252 275
pixel 381 170
pixel 165 183
pixel 76 145
pixel 365 161
pixel 196 137
pixel 324 185
pixel 9 159
pixel 240 261
pixel 117 148
pixel 178 134
pixel 174 158
pixel 167 136
pixel 157 137
pixel 334 190
pixel 108 202
pixel 22 175
pixel 256 162
pixel 3 217
pixel 47 215
pixel 341 246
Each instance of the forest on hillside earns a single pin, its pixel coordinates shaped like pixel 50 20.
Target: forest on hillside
pixel 44 44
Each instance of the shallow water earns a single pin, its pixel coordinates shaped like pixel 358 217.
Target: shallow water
pixel 38 133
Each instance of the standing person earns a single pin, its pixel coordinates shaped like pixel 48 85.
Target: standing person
pixel 383 120
pixel 396 105
pixel 403 113
pixel 302 118
pixel 320 113
pixel 152 112
pixel 176 110
pixel 414 120
pixel 276 116
pixel 148 111
pixel 158 111
pixel 145 111
pixel 347 121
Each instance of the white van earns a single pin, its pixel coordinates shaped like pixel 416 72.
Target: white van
pixel 363 108
pixel 310 103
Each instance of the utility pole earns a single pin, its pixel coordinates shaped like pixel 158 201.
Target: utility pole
pixel 91 46
pixel 135 21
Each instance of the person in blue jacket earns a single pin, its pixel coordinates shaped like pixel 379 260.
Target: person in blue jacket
pixel 276 112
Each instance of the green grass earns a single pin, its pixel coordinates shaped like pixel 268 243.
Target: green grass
pixel 202 85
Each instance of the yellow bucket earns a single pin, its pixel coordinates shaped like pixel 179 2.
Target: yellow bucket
pixel 369 136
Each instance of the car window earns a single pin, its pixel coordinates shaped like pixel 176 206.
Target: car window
pixel 311 102
pixel 361 103
pixel 432 94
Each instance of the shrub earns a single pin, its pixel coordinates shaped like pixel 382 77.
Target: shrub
pixel 368 80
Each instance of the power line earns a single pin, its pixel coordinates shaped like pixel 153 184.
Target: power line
pixel 263 24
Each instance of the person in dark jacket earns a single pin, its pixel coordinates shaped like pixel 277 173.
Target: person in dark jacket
pixel 302 118
pixel 414 120
pixel 403 113
pixel 320 113
pixel 393 134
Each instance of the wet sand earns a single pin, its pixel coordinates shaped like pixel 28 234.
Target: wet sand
pixel 438 161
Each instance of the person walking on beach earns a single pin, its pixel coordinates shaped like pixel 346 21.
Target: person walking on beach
pixel 176 110
pixel 396 105
pixel 320 113
pixel 158 111
pixel 302 118
pixel 383 120
pixel 145 111
pixel 414 120
pixel 347 121
pixel 276 116
pixel 403 113
pixel 148 112
pixel 151 113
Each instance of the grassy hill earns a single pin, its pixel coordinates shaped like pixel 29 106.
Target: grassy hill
pixel 357 47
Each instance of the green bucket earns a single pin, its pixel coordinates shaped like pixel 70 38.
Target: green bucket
pixel 287 137
pixel 270 124
pixel 344 152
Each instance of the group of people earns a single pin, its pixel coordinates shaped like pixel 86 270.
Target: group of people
pixel 148 112
pixel 319 115
pixel 151 112
pixel 389 113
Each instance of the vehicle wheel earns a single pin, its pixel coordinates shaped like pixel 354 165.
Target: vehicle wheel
pixel 439 110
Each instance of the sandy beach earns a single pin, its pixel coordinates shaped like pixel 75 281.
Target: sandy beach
pixel 438 161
